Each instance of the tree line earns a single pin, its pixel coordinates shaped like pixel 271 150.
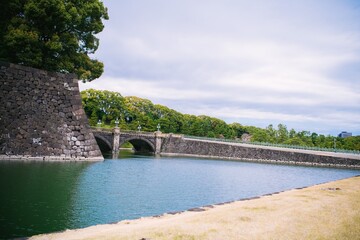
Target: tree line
pixel 132 112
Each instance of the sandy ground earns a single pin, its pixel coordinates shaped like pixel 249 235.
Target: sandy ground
pixel 326 211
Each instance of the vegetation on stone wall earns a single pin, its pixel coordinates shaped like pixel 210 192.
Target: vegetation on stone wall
pixel 54 35
pixel 132 111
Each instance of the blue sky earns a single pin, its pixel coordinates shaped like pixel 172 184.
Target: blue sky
pixel 253 62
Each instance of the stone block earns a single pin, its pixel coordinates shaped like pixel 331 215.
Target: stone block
pixel 34 99
pixel 81 137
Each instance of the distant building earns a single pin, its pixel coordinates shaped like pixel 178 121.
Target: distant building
pixel 345 134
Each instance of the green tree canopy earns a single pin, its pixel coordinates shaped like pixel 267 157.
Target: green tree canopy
pixel 133 111
pixel 55 35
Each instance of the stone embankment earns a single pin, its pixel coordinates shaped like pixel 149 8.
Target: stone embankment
pixel 182 146
pixel 41 116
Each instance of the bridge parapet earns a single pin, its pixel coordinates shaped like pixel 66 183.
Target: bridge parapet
pixel 139 134
pixel 110 130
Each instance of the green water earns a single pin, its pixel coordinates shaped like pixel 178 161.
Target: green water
pixel 37 197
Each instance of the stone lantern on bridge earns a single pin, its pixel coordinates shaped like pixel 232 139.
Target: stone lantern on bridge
pixel 116 139
pixel 117 123
pixel 158 136
pixel 98 125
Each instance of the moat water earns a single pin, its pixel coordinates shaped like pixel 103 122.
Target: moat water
pixel 42 197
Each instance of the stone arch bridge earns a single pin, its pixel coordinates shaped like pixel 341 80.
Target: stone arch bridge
pixel 179 145
pixel 112 139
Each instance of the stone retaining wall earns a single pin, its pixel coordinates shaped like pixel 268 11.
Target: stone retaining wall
pixel 178 146
pixel 41 116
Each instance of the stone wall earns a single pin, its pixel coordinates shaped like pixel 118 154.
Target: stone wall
pixel 41 116
pixel 196 148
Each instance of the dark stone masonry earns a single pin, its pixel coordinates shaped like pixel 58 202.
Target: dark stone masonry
pixel 178 145
pixel 41 116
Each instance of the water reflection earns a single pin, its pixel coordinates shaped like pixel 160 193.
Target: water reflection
pixel 37 197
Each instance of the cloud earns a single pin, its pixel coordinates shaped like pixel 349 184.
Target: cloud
pixel 146 89
pixel 286 61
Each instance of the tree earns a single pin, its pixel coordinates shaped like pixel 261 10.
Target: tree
pixel 238 129
pixel 107 105
pixel 314 137
pixel 292 133
pixel 93 118
pixel 54 35
pixel 282 133
pixel 296 141
pixel 271 133
pixel 305 138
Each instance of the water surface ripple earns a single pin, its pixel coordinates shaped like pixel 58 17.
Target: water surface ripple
pixel 40 197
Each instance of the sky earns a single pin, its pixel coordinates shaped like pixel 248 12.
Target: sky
pixel 253 62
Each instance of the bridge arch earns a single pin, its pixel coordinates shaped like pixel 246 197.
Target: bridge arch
pixel 142 145
pixel 104 144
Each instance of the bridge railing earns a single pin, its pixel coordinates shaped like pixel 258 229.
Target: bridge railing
pixel 102 129
pixel 276 145
pixel 123 131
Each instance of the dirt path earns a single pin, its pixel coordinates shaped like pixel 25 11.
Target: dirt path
pixel 326 211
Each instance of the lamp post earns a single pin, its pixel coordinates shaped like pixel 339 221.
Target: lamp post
pixel 335 144
pixel 117 122
pixel 158 127
pixel 99 124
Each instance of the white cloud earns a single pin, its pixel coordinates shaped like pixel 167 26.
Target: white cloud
pixel 242 56
pixel 146 89
pixel 294 87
